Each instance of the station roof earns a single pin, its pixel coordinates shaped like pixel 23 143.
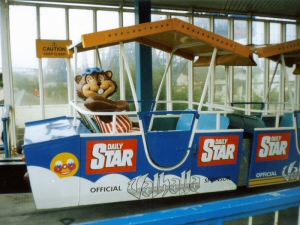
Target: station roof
pixel 288 9
pixel 290 50
pixel 172 35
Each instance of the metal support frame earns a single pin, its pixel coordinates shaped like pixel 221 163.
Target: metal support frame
pixel 40 66
pixel 5 121
pixel 7 68
pixel 210 70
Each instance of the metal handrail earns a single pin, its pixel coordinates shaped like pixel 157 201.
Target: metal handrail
pixel 5 121
pixel 216 212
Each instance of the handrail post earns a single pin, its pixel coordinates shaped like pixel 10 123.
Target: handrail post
pixel 5 121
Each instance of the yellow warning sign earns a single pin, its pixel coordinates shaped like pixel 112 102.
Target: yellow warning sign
pixel 53 48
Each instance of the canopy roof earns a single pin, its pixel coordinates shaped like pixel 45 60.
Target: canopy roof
pixel 173 35
pixel 290 50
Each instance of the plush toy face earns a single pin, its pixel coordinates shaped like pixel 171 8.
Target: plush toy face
pixel 91 85
pixel 108 86
pixel 94 84
pixel 95 88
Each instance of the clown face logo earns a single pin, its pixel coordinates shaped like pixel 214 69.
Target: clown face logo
pixel 64 164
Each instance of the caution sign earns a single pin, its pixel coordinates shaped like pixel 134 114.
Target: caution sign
pixel 53 48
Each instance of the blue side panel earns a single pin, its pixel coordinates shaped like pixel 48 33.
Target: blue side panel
pixel 96 166
pixel 297 116
pixel 218 155
pixel 169 147
pixel 45 139
pixel 74 170
pixel 98 162
pixel 41 155
pixel 275 158
pixel 52 151
pixel 119 168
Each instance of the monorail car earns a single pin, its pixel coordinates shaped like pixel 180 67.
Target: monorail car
pixel 174 153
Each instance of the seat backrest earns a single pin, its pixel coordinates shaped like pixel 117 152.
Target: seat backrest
pixel 185 121
pixel 246 122
pixel 89 123
pixel 209 122
pixel 205 122
pixel 286 120
pixel 297 115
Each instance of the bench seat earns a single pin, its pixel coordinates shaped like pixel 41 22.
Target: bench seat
pixel 246 122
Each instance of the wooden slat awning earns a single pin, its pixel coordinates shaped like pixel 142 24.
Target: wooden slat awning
pixel 290 50
pixel 173 35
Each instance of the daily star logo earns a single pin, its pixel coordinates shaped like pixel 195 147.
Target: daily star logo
pixel 219 150
pixel 273 146
pixel 111 156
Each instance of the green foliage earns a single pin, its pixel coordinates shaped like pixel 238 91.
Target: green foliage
pixel 58 93
pixel 274 95
pixel 23 82
pixel 256 97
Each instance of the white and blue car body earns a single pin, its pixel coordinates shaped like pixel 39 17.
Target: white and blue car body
pixel 175 153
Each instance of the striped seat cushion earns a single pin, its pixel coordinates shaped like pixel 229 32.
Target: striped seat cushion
pixel 123 125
